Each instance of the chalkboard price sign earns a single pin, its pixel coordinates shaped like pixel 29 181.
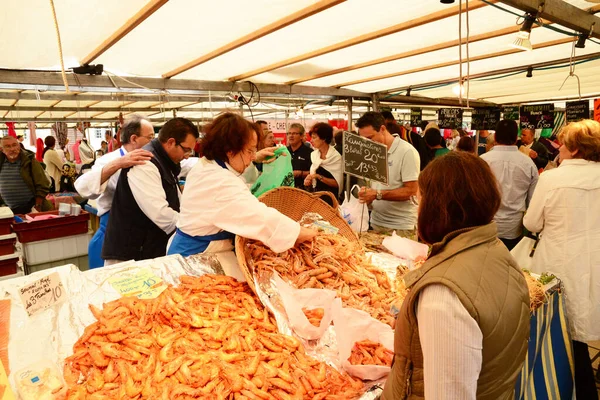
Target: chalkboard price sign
pixel 577 110
pixel 450 118
pixel 511 113
pixel 365 159
pixel 539 116
pixel 485 118
pixel 416 116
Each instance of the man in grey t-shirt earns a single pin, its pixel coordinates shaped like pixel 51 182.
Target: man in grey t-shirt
pixel 393 208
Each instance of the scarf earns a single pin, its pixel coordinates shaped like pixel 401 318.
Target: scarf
pixel 332 164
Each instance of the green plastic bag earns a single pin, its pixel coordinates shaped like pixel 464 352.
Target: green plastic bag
pixel 275 174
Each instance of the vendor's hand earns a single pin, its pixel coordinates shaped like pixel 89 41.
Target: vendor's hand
pixel 261 156
pixel 136 157
pixel 306 234
pixel 533 154
pixel 367 195
pixel 298 174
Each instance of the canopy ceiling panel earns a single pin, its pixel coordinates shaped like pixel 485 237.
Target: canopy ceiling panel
pixel 33 103
pixel 7 102
pixel 110 104
pixel 184 30
pixel 143 104
pixel 543 84
pixel 83 26
pixel 20 114
pixel 326 28
pixel 54 114
pixel 75 103
pixel 483 20
pixel 173 104
pixel 513 60
pixel 477 49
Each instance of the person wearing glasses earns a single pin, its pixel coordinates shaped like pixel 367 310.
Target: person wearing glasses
pixel 217 204
pixel 145 207
pixel 101 181
pixel 300 154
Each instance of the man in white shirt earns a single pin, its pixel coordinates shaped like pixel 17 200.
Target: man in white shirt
pixel 517 176
pixel 393 208
pixel 100 183
pixel 145 207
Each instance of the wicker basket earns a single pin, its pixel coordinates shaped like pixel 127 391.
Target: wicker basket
pixel 294 203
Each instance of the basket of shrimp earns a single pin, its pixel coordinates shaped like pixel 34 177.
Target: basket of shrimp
pixel 334 261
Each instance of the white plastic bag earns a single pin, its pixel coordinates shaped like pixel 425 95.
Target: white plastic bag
pixel 294 300
pixel 355 212
pixel 405 248
pixel 521 252
pixel 353 326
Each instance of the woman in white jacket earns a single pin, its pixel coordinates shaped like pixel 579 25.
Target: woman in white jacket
pixel 566 209
pixel 326 171
pixel 217 205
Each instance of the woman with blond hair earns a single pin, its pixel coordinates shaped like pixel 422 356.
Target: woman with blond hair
pixel 566 209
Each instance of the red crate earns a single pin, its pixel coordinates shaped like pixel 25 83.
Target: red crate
pixel 8 264
pixel 67 225
pixel 5 224
pixel 7 244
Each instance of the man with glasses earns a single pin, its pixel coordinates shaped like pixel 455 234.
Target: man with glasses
pixel 100 183
pixel 145 208
pixel 300 154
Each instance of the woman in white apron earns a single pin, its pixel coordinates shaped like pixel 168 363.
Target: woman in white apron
pixel 217 205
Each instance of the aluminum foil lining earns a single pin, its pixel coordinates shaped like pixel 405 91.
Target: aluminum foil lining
pixel 204 263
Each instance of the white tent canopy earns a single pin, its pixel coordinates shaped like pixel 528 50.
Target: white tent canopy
pixel 190 55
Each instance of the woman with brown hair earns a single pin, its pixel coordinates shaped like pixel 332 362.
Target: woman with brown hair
pixel 217 205
pixel 463 328
pixel 566 209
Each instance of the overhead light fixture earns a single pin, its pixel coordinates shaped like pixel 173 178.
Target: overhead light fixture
pixel 523 42
pixel 459 89
pixel 581 40
pixel 529 72
pixel 87 69
pixel 446 1
pixel 300 112
pixel 408 91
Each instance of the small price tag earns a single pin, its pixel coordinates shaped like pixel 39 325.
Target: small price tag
pixel 43 293
pixel 143 284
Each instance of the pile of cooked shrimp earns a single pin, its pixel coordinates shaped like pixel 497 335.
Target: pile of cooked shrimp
pixel 332 262
pixel 204 339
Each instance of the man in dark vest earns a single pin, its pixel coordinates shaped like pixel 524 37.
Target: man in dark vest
pixel 145 207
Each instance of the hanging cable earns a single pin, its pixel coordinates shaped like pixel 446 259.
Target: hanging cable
pixel 460 75
pixel 60 52
pixel 572 71
pixel 468 57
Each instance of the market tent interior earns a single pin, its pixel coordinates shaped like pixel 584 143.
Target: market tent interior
pixel 301 59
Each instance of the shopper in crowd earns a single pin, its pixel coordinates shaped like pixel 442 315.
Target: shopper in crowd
pixel 326 170
pixel 111 142
pixel 63 152
pixel 104 147
pixel 101 182
pixel 517 176
pixel 566 209
pixel 433 139
pixel 481 145
pixel 269 139
pixel 462 330
pixel 300 154
pixel 53 163
pixel 145 206
pixel 23 182
pixel 21 139
pixel 338 139
pixel 466 143
pixel 216 203
pixel 264 127
pixel 393 207
pixel 411 137
pixel 532 148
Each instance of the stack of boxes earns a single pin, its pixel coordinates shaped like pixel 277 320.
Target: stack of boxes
pixel 9 257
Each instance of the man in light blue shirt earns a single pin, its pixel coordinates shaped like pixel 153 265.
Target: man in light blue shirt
pixel 517 176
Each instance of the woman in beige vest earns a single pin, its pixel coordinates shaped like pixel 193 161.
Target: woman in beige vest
pixel 463 328
pixel 53 162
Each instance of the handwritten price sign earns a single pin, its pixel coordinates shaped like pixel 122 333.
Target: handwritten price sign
pixel 364 158
pixel 43 293
pixel 143 284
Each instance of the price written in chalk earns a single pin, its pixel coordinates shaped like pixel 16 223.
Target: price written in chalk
pixel 143 284
pixel 43 293
pixel 538 116
pixel 365 158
